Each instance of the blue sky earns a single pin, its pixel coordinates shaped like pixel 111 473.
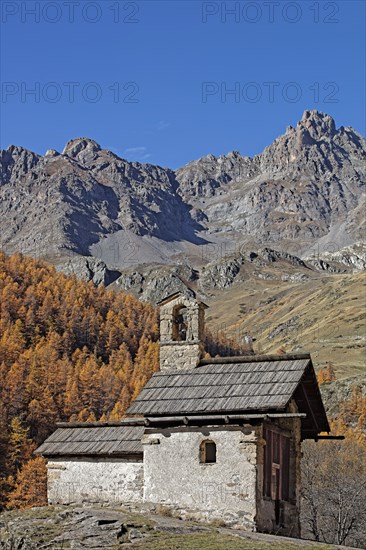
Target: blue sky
pixel 151 80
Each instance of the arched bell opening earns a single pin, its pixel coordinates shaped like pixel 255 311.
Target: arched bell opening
pixel 180 323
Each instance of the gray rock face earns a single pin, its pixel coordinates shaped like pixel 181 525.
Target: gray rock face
pixel 284 327
pixel 267 255
pixel 17 163
pixel 154 284
pixel 83 150
pixel 52 153
pixel 209 175
pixel 220 275
pixel 350 258
pixel 69 201
pixel 94 527
pixel 307 188
pixel 89 269
pixel 321 265
pixel 72 528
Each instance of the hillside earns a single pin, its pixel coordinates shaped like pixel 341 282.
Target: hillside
pixel 276 298
pixel 69 527
pixel 324 315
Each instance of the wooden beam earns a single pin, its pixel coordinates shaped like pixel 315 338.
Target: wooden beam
pixel 305 398
pixel 126 422
pixel 221 419
pixel 336 437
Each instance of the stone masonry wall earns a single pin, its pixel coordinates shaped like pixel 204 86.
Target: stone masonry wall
pixel 94 480
pixel 226 490
pixel 180 355
pixel 185 354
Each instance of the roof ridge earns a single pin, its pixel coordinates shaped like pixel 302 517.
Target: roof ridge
pixel 104 424
pixel 254 358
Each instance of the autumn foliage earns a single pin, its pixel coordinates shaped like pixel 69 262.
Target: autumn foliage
pixel 351 418
pixel 31 485
pixel 68 351
pixel 326 374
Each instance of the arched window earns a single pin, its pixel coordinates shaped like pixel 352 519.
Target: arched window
pixel 208 452
pixel 180 324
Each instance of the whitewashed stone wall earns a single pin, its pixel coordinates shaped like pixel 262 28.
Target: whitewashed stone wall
pixel 226 490
pixel 95 480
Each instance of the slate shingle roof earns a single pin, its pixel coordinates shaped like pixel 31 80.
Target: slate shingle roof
pixel 227 385
pixel 101 440
pixel 243 385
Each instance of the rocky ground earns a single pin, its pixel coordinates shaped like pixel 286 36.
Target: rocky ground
pixel 62 527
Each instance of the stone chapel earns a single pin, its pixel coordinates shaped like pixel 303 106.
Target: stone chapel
pixel 216 438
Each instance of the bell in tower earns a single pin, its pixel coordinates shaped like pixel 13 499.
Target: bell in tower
pixel 182 322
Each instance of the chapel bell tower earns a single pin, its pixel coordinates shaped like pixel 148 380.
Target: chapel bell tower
pixel 182 324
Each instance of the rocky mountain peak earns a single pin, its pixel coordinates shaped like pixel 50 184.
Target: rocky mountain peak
pixel 317 124
pixel 52 153
pixel 18 161
pixel 209 157
pixel 17 151
pixel 82 149
pixel 314 142
pixel 233 155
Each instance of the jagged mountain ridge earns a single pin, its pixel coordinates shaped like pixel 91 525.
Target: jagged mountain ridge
pixel 306 187
pixel 69 201
pixel 308 180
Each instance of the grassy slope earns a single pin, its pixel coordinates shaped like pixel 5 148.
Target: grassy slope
pixel 325 316
pixel 44 527
pixel 218 541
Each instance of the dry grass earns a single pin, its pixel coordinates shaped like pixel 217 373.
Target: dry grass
pixel 164 511
pixel 324 315
pixel 217 541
